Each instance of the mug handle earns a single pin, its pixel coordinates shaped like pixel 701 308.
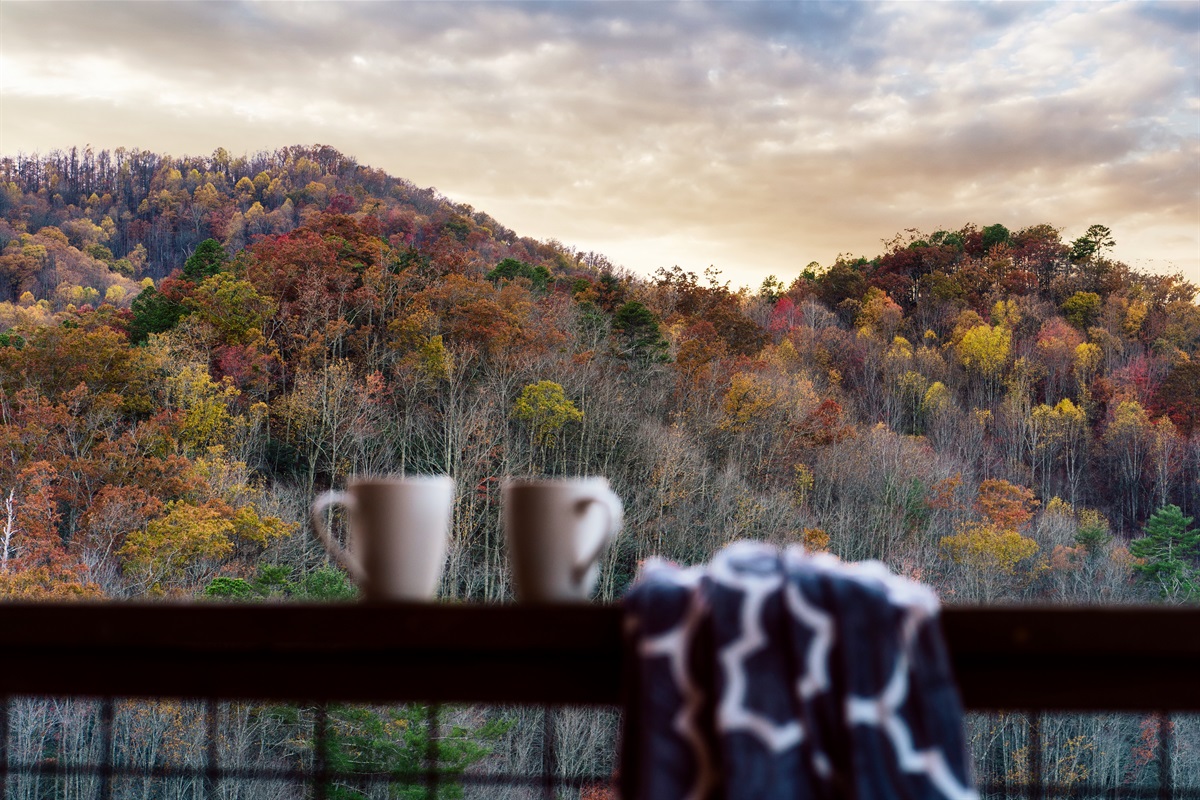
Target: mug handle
pixel 336 552
pixel 612 504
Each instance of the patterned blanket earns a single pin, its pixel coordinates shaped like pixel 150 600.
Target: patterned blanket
pixel 774 674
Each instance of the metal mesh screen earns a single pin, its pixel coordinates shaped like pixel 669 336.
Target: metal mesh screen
pixel 95 749
pixel 1042 755
pixel 67 747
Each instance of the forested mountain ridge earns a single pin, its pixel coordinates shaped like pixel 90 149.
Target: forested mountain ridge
pixel 193 347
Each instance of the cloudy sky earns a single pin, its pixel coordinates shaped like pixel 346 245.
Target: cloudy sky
pixel 752 136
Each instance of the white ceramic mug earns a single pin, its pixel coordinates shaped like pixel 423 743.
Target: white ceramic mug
pixel 398 534
pixel 557 530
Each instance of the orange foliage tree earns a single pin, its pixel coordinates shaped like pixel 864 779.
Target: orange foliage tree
pixel 991 555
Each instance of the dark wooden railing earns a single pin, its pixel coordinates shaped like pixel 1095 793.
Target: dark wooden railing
pixel 1008 657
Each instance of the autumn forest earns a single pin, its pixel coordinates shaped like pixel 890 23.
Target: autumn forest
pixel 192 348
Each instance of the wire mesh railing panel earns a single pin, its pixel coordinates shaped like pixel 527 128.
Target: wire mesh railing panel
pixel 571 749
pixel 1041 755
pixel 1185 750
pixel 69 748
pixel 116 749
pixel 263 739
pixel 158 734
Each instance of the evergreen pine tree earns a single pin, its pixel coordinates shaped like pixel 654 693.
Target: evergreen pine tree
pixel 208 259
pixel 1170 551
pixel 153 313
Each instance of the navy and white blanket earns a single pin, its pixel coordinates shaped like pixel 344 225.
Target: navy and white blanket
pixel 785 674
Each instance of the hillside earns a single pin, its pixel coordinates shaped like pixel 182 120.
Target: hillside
pixel 193 347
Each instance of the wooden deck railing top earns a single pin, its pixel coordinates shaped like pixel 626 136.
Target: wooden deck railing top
pixel 1004 657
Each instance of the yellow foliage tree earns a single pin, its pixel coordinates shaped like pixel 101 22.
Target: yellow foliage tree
pixel 985 349
pixel 993 557
pixel 434 360
pixel 205 406
pixel 987 548
pixel 186 534
pixel 815 539
pixel 233 307
pixel 545 407
pixel 805 481
pixel 937 399
pixel 249 526
pixel 1006 313
pixel 880 314
pixel 1087 361
pixel 206 197
pixel 1129 440
pixel 46 583
pixel 993 561
pixel 749 398
pixel 1069 429
pixel 1134 317
pixel 179 549
pixel 244 189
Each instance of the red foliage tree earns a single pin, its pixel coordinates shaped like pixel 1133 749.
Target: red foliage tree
pixel 1178 397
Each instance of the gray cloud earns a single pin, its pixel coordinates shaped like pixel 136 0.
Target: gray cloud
pixel 755 136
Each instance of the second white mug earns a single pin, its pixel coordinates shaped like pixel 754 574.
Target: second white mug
pixel 556 531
